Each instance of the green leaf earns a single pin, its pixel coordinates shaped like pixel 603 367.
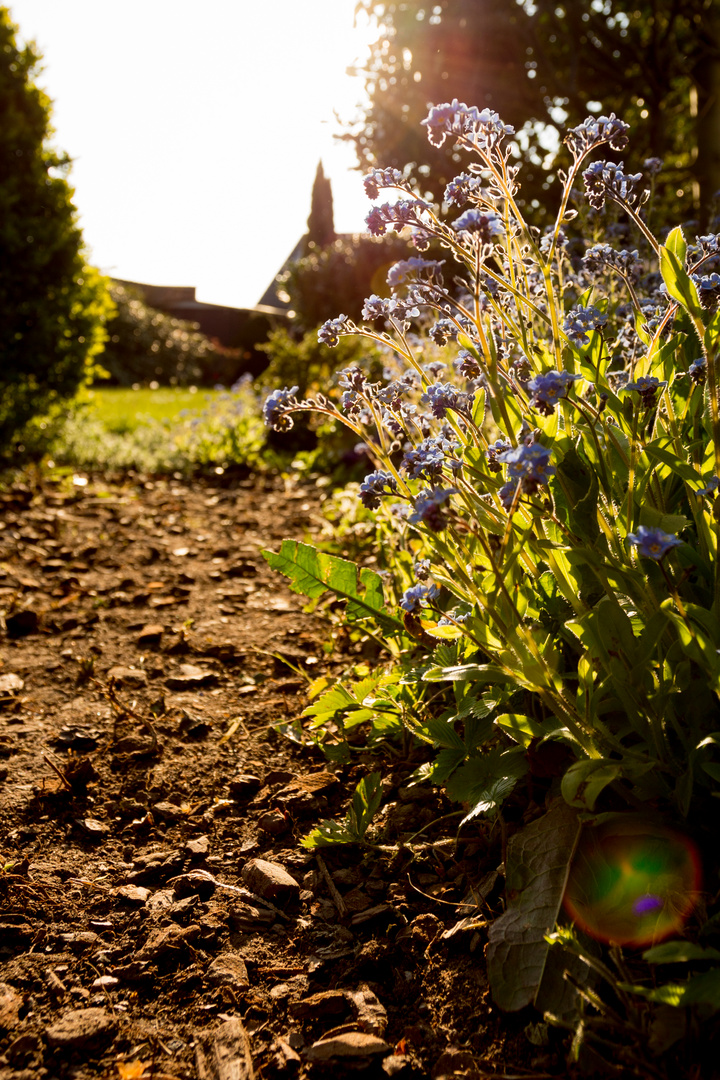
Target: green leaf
pixel 312 573
pixel 521 728
pixel 677 244
pixel 678 283
pixel 479 673
pixel 579 483
pixel 679 952
pixel 486 781
pixel 365 802
pixel 584 781
pixel 537 865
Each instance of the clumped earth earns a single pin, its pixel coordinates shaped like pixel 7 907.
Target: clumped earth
pixel 158 915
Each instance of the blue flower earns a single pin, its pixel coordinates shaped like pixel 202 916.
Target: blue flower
pixel 377 307
pixel 529 463
pixel 653 543
pixel 606 179
pixel 428 458
pixel 276 407
pixel 444 396
pixel 581 321
pixel 461 189
pixel 647 387
pixel 428 508
pixel 396 215
pixel 381 178
pixel 374 486
pixel 421 568
pixel 596 130
pixel 400 271
pixel 456 119
pixel 486 225
pixel 710 488
pixel 549 388
pixel 330 331
pixel 418 596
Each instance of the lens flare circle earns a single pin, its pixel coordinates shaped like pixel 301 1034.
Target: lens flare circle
pixel 632 882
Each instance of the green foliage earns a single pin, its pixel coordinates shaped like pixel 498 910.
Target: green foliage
pixel 52 306
pixel 537 61
pixel 321 227
pixel 145 345
pixel 365 802
pixel 313 573
pixel 338 278
pixel 226 432
pixel 305 363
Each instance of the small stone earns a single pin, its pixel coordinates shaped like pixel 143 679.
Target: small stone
pixel 10 684
pixel 351 1044
pixel 93 828
pixel 191 677
pixel 274 822
pixel 161 901
pixel 130 678
pixel 168 811
pixel 150 635
pixel 104 982
pixel 161 941
pixel 10 1004
pixel 21 623
pixel 80 1028
pixel 199 847
pixel 79 941
pixel 133 894
pixel 195 883
pixel 244 785
pixel 270 881
pixel 315 1007
pixel 229 969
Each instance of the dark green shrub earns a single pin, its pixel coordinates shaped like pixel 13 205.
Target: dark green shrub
pixel 145 344
pixel 339 277
pixel 52 306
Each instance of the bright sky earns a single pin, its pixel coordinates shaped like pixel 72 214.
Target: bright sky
pixel 195 130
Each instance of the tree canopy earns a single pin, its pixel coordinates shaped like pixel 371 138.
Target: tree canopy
pixel 52 306
pixel 542 64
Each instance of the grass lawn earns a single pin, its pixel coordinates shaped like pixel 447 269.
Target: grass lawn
pixel 121 409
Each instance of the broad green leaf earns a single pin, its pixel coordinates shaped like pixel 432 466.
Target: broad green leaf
pixel 523 729
pixel 677 243
pixel 365 802
pixel 679 952
pixel 537 865
pixel 313 573
pixel 478 673
pixel 678 283
pixel 484 782
pixel 579 483
pixel 700 990
pixel 584 781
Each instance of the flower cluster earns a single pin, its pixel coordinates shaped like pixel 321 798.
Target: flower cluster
pixel 647 387
pixel 528 467
pixel 597 130
pixel 606 180
pixel 581 321
pixel 377 179
pixel 549 388
pixel 375 485
pixel 331 330
pixel 443 396
pixel 462 189
pixel 486 226
pixel 399 311
pixel 395 215
pixel 653 543
pixel 399 272
pixel 418 596
pixel 428 508
pixel 601 257
pixel 454 119
pixel 276 407
pixel 428 458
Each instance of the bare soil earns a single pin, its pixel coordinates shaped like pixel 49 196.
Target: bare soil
pixel 148 654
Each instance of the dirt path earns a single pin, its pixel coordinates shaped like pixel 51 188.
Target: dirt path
pixel 141 780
